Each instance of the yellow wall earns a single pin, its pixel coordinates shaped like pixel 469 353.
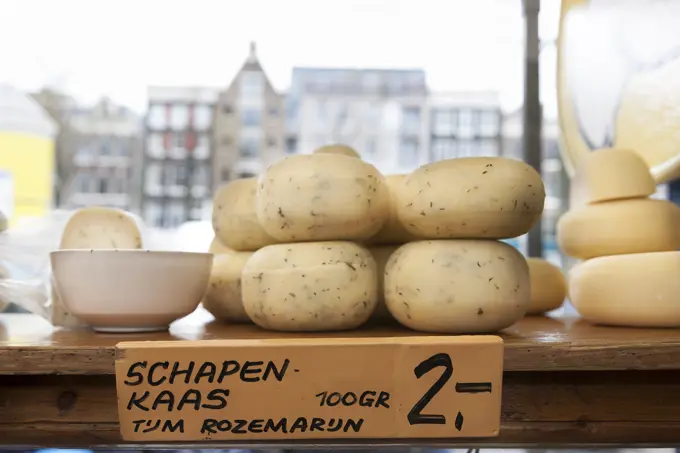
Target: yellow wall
pixel 30 161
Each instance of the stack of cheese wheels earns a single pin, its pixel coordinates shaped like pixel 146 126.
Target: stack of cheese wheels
pixel 95 228
pixel 338 243
pixel 458 277
pixel 628 242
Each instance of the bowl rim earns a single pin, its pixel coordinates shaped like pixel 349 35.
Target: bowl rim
pixel 129 252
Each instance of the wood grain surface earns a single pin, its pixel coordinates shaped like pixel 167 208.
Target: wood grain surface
pixel 546 409
pixel 28 345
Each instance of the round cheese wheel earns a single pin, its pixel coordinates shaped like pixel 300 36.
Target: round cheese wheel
pixel 316 286
pixel 337 149
pixel 101 228
pixel 382 255
pixel 322 197
pixel 476 197
pixel 223 298
pixel 234 219
pixel 637 290
pixel 619 227
pixel 548 286
pixel 457 286
pixel 611 174
pixel 217 247
pixel 393 232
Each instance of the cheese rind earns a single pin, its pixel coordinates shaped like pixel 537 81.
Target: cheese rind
pixel 94 228
pixel 337 149
pixel 457 286
pixel 322 197
pixel 381 255
pixel 218 248
pixel 619 227
pixel 637 290
pixel 223 298
pixel 393 232
pixel 611 174
pixel 316 286
pixel 234 218
pixel 477 197
pixel 548 286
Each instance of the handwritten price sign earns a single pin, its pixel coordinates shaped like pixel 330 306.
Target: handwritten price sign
pixel 370 388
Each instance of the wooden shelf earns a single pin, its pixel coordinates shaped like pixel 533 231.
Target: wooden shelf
pixel 566 383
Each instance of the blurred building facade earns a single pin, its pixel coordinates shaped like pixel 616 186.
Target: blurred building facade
pixel 177 158
pixel 27 143
pixel 107 145
pixel 248 124
pixel 382 113
pixel 464 124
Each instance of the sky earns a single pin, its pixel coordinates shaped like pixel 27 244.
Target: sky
pixel 93 48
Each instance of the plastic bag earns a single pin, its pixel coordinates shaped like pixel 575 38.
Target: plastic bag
pixel 24 252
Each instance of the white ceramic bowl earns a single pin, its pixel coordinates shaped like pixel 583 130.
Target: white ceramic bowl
pixel 130 290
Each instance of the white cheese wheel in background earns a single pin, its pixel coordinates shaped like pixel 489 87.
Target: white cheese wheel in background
pixel 638 290
pixel 94 228
pixel 234 219
pixel 611 174
pixel 322 197
pixel 317 286
pixel 218 248
pixel 476 197
pixel 393 232
pixel 548 286
pixel 101 228
pixel 223 298
pixel 619 227
pixel 382 255
pixel 457 286
pixel 337 149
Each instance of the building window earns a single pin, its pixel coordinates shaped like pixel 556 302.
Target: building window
pixel 179 116
pixel 176 214
pixel 411 120
pixel 179 140
pixel 225 174
pixel 227 109
pixel 153 213
pixel 250 142
pixel 200 176
pixel 445 122
pixel 84 183
pixel 408 153
pixel 273 111
pixel 105 148
pixel 156 117
pixel 465 124
pixel 202 117
pixel 103 185
pixel 245 174
pixel 271 142
pixel 466 148
pixel 250 117
pixel 489 123
pixel 371 148
pixel 175 175
pixel 252 89
pixel 488 148
pixel 154 145
pixel 444 148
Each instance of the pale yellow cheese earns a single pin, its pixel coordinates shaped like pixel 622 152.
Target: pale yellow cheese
pixel 234 219
pixel 457 286
pixel 619 227
pixel 548 286
pixel 322 197
pixel 637 290
pixel 316 286
pixel 476 197
pixel 217 247
pixel 393 232
pixel 611 174
pixel 337 149
pixel 94 228
pixel 223 298
pixel 382 255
